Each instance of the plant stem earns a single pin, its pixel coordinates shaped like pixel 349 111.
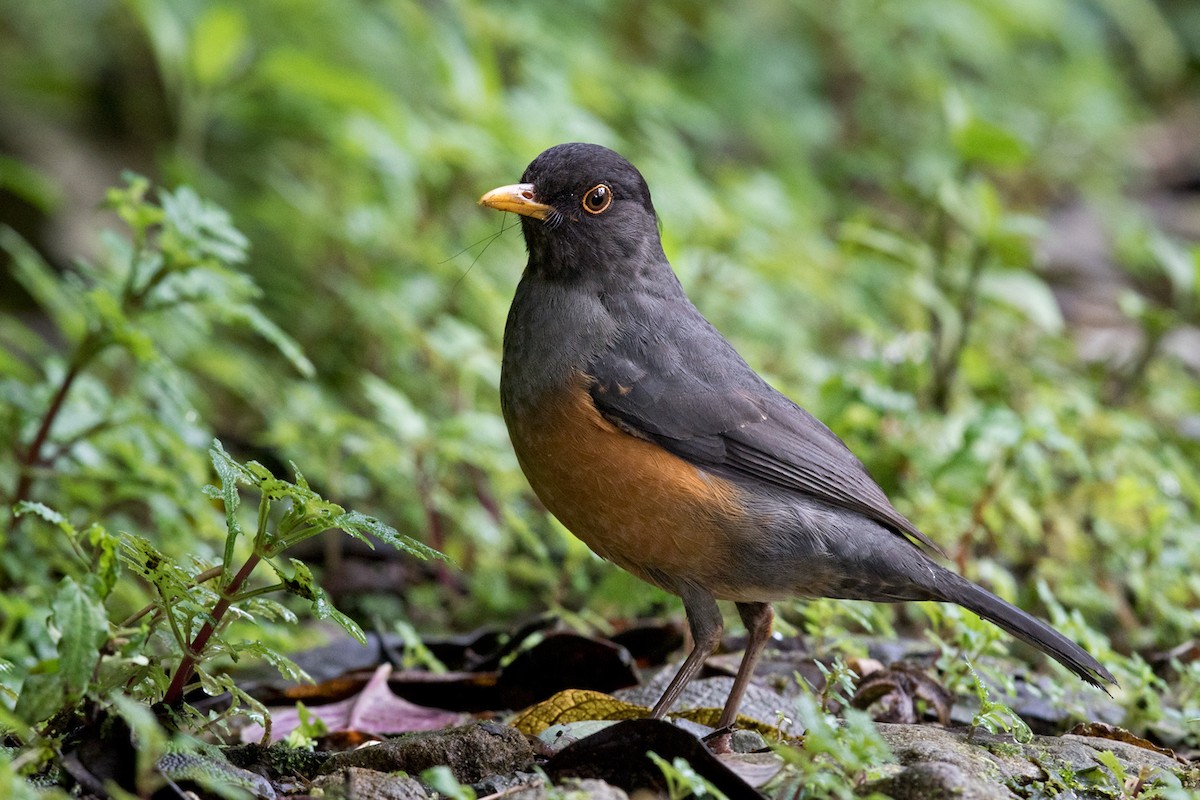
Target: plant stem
pixel 949 356
pixel 187 666
pixel 88 348
pixel 200 578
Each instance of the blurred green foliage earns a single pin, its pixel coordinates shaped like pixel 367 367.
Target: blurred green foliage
pixel 853 192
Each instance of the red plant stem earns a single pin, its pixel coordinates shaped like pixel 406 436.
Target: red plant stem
pixel 33 455
pixel 187 666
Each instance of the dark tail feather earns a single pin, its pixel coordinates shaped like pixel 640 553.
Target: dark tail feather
pixel 1029 629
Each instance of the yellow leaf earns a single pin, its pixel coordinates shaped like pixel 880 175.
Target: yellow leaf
pixel 575 705
pixel 579 705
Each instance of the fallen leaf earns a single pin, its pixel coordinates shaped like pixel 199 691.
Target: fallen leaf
pixel 373 711
pixel 1102 730
pixel 575 705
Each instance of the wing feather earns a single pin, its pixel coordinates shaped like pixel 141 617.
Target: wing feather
pixel 685 388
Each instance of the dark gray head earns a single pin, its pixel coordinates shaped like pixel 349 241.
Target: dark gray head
pixel 584 210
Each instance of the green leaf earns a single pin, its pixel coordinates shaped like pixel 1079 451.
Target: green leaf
pixel 55 296
pixel 197 232
pixel 149 736
pixel 129 202
pixel 1109 759
pixel 323 608
pixel 302 583
pixel 45 512
pixel 311 78
pixel 289 670
pixel 361 526
pixel 987 143
pixel 218 42
pixel 41 697
pixel 82 623
pixel 108 567
pixel 144 559
pixel 887 244
pixel 30 184
pixel 230 473
pixel 1025 292
pixel 442 780
pixel 1180 263
pixel 258 322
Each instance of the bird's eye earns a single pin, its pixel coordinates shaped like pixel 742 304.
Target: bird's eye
pixel 598 199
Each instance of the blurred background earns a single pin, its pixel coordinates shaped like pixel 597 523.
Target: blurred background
pixel 964 234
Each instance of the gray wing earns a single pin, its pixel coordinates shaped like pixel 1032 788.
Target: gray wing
pixel 679 384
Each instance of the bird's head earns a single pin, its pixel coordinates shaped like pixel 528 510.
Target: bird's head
pixel 583 208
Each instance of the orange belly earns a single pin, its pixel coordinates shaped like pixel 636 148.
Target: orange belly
pixel 629 500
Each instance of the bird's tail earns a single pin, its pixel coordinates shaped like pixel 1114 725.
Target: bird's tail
pixel 954 588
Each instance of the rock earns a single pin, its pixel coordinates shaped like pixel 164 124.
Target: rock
pixel 507 784
pixel 747 742
pixel 938 780
pixel 943 763
pixel 472 752
pixel 206 771
pixel 987 757
pixel 572 789
pixel 356 783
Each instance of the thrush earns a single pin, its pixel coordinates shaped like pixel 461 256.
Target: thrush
pixel 646 434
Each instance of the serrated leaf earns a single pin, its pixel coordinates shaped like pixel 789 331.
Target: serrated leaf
pixel 82 623
pixel 300 582
pixel 300 479
pixel 359 524
pixel 265 608
pixel 197 232
pixel 108 567
pixel 144 559
pixel 323 608
pixel 289 670
pixel 45 512
pixel 230 472
pixel 1109 759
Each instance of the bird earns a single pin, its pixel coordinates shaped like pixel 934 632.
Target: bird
pixel 640 427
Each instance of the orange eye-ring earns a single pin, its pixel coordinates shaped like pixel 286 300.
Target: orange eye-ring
pixel 598 199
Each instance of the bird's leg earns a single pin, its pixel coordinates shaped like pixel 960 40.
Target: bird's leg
pixel 704 619
pixel 758 618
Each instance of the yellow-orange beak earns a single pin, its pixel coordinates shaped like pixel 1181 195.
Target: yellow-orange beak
pixel 517 198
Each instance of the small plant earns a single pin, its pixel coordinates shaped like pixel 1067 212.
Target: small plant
pixel 163 651
pixel 304 736
pixel 838 687
pixel 995 716
pixel 107 434
pixel 441 779
pixel 1147 784
pixel 683 780
pixel 836 758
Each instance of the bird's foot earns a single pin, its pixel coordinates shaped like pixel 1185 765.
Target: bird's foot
pixel 720 741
